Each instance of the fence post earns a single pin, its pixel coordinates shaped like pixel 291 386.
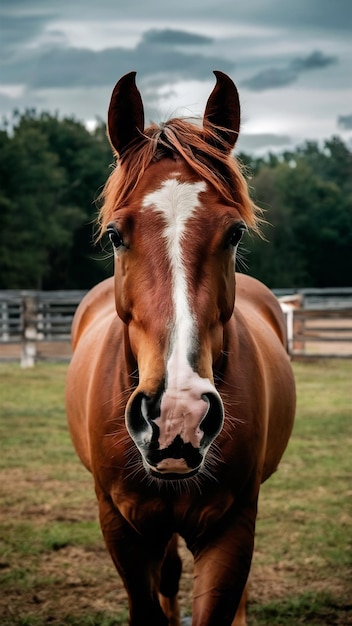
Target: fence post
pixel 5 334
pixel 29 331
pixel 299 345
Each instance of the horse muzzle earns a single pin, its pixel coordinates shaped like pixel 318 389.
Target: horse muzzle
pixel 173 432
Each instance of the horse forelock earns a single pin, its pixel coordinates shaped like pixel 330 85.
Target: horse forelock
pixel 195 145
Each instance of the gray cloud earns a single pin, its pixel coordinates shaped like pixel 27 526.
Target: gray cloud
pixel 313 15
pixel 264 141
pixel 271 78
pixel 345 122
pixel 60 66
pixel 276 77
pixel 170 37
pixel 54 56
pixel 18 30
pixel 313 61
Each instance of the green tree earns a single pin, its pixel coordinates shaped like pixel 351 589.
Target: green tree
pixel 50 172
pixel 309 208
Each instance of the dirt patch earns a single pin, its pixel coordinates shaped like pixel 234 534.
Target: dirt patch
pixel 67 582
pixel 77 582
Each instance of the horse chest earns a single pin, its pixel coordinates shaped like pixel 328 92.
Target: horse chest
pixel 189 514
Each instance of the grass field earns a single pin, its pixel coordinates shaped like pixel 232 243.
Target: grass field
pixel 53 564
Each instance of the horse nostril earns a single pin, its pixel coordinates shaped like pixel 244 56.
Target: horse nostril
pixel 213 420
pixel 141 413
pixel 150 406
pixel 136 420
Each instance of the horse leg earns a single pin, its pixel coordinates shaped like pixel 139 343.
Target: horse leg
pixel 169 583
pixel 240 617
pixel 221 570
pixel 138 560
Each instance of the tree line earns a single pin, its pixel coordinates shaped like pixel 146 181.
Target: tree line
pixel 52 171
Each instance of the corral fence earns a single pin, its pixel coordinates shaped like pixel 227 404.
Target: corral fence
pixel 319 321
pixel 37 324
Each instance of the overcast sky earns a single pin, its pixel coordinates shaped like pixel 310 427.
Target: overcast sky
pixel 291 61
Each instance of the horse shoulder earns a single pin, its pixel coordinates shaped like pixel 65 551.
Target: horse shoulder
pixel 97 303
pixel 260 312
pixel 97 339
pixel 254 295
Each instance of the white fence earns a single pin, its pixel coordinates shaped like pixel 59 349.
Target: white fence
pixel 37 324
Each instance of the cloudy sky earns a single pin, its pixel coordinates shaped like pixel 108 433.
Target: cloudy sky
pixel 291 61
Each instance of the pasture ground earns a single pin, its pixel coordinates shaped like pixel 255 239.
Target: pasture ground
pixel 53 565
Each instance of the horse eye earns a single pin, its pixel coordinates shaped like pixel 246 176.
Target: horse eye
pixel 236 235
pixel 114 236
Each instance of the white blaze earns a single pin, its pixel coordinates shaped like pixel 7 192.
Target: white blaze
pixel 177 202
pixel 183 404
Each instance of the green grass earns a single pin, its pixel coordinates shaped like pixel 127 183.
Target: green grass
pixel 53 565
pixel 311 493
pixel 33 426
pixel 28 538
pixel 308 608
pixel 96 619
pixel 305 513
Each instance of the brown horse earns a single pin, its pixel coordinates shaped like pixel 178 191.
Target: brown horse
pixel 179 402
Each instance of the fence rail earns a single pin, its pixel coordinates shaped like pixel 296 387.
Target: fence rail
pixel 36 324
pixel 322 332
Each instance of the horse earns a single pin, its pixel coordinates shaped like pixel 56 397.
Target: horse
pixel 180 393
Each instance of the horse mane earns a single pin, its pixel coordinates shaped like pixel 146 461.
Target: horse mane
pixel 198 147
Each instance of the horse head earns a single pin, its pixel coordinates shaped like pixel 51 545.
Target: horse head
pixel 175 210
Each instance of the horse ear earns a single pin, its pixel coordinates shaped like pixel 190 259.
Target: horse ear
pixel 126 113
pixel 224 112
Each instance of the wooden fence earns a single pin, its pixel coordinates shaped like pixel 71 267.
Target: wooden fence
pixel 322 332
pixel 36 324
